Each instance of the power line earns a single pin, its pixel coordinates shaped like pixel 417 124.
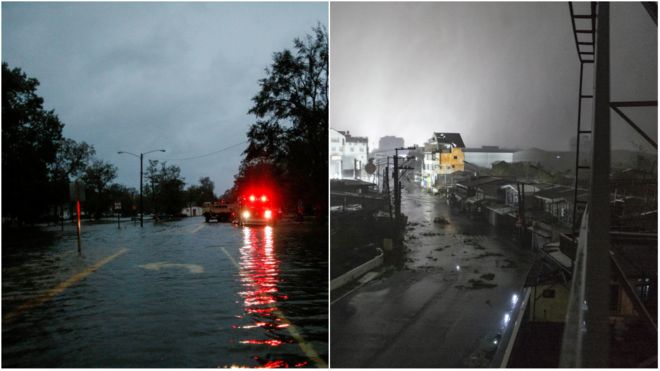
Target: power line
pixel 206 154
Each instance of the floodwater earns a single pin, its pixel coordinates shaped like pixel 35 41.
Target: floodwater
pixel 449 304
pixel 175 294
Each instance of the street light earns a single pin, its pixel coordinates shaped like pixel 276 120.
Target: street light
pixel 141 157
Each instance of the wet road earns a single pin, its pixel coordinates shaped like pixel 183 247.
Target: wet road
pixel 176 294
pixel 446 307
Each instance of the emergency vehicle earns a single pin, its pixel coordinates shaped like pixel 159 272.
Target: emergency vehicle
pixel 257 208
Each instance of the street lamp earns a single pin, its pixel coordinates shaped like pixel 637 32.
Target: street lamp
pixel 141 157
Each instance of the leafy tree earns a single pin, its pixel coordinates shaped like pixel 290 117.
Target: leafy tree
pixel 166 187
pixel 128 197
pixel 30 140
pixel 198 194
pixel 71 160
pixel 290 135
pixel 97 177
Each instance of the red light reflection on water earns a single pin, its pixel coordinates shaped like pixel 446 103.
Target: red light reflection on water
pixel 259 271
pixel 271 342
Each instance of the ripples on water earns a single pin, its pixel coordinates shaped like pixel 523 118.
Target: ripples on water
pixel 149 308
pixel 261 279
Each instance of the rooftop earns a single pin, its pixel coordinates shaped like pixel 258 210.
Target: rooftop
pixel 350 138
pixel 449 138
pixel 491 149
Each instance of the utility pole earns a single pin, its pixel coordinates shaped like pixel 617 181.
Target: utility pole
pixel 141 200
pixel 386 186
pixel 397 183
pixel 397 195
pixel 141 157
pixel 521 212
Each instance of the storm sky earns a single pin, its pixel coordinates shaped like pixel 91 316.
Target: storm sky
pixel 143 76
pixel 498 73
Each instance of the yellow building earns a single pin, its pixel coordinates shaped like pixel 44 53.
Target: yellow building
pixel 451 161
pixel 443 154
pixel 449 146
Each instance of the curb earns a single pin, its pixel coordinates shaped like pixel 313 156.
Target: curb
pixel 357 272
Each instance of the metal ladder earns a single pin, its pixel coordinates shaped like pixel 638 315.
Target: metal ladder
pixel 585 57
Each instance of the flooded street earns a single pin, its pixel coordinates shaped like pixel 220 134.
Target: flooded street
pixel 175 294
pixel 449 304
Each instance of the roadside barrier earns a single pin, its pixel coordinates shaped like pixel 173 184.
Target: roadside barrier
pixel 357 272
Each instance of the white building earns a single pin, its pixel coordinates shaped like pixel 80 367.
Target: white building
pixel 430 166
pixel 487 155
pixel 389 143
pixel 192 211
pixel 337 142
pixel 348 155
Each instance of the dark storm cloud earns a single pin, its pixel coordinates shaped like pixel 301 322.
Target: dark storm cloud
pixel 499 73
pixel 142 76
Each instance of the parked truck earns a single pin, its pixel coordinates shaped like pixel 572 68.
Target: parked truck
pixel 219 210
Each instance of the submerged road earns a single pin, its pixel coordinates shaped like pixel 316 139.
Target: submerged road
pixel 445 307
pixel 173 294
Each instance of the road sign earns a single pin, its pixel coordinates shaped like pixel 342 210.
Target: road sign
pixel 117 205
pixel 77 191
pixel 370 168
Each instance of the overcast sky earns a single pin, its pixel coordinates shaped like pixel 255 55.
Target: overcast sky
pixel 498 73
pixel 143 76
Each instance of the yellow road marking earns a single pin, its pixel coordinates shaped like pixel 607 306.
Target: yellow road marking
pixel 198 228
pixel 50 294
pixel 306 347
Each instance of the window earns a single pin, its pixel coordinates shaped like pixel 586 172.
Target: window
pixel 453 166
pixel 455 157
pixel 643 288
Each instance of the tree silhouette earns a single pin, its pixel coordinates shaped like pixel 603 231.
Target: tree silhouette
pixel 166 187
pixel 197 194
pixel 97 177
pixel 30 139
pixel 290 135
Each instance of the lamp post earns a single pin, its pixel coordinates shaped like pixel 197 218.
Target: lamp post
pixel 141 157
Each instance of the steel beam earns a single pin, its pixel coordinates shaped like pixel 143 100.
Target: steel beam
pixel 597 265
pixel 632 124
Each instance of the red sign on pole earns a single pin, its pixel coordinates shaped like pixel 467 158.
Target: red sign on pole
pixel 78 210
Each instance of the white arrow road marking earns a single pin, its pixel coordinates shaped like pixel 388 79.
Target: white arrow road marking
pixel 192 268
